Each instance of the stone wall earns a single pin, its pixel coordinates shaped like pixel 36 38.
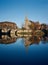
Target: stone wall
pixel 8 25
pixel 5 26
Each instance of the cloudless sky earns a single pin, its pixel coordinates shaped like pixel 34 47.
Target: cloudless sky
pixel 16 10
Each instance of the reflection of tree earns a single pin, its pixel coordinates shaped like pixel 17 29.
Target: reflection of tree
pixel 39 33
pixel 32 40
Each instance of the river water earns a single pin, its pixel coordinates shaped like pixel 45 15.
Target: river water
pixel 24 52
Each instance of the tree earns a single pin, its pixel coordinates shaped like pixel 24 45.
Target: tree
pixel 32 26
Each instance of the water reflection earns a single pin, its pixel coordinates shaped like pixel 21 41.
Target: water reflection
pixel 28 40
pixel 5 39
pixel 32 40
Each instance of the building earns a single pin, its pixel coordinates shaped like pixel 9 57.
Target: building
pixel 31 24
pixel 27 23
pixel 6 26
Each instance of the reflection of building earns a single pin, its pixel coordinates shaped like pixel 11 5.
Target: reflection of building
pixel 31 40
pixel 27 42
pixel 7 40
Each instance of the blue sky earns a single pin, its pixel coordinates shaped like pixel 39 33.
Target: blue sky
pixel 16 10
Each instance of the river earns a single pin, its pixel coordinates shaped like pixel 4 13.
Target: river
pixel 23 53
